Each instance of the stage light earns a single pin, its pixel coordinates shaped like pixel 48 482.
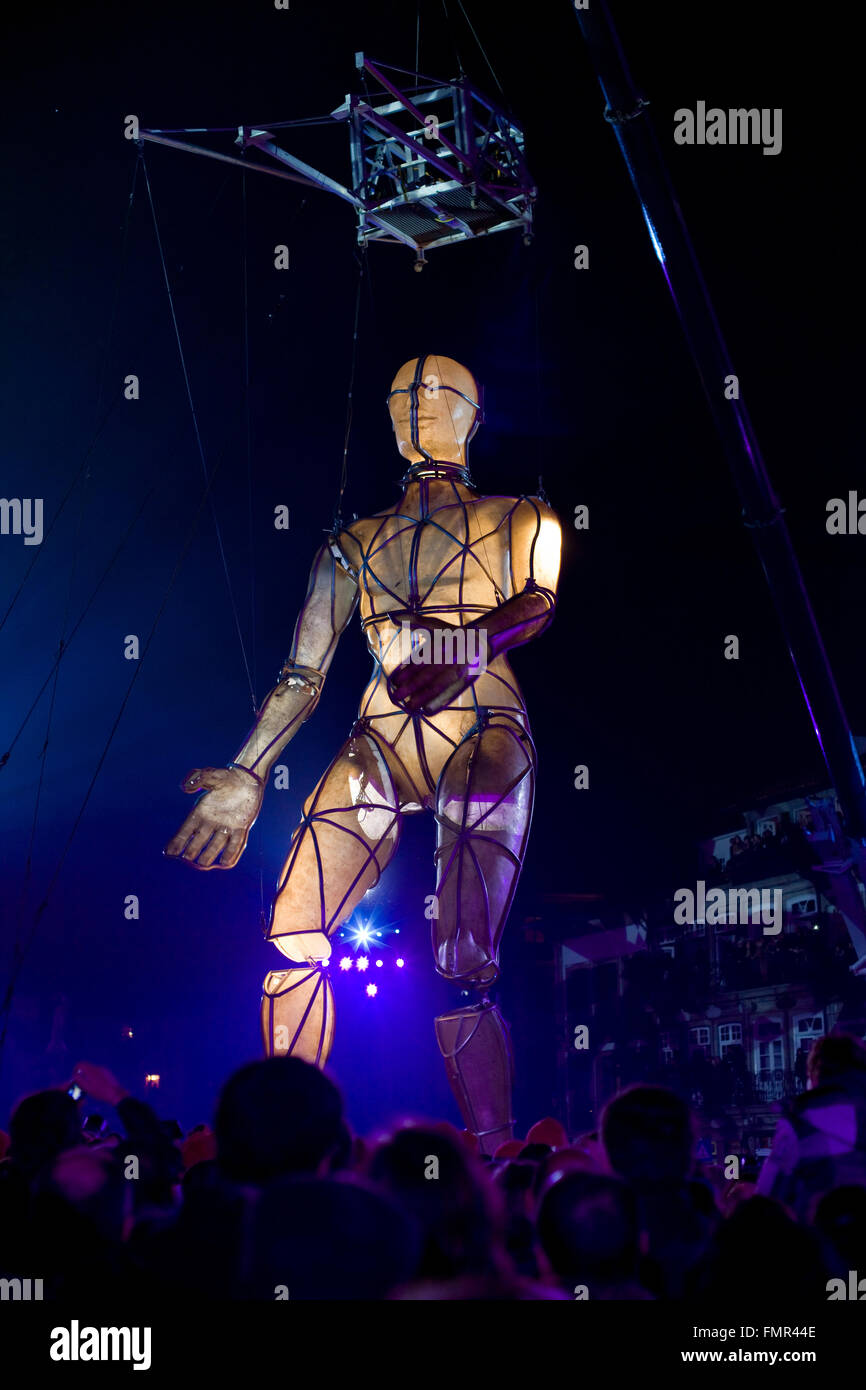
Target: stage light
pixel 346 963
pixel 127 1032
pixel 379 964
pixel 362 936
pixel 362 962
pixel 372 989
pixel 152 1079
pixel 400 962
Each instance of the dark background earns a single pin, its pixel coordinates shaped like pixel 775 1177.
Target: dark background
pixel 587 382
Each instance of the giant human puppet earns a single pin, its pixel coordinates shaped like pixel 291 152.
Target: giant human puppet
pixel 447 580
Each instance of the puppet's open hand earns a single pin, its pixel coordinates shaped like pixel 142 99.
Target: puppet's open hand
pixel 439 671
pixel 215 832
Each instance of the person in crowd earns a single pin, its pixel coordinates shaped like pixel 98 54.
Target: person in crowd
pixel 199 1146
pixel 431 1172
pixel 278 1118
pixel 649 1141
pixel 80 1213
pixel 547 1131
pixel 840 1223
pixel 588 1229
pixel 517 1182
pixel 334 1238
pixel 820 1139
pixel 69 1195
pixel 460 1213
pixel 42 1126
pixel 759 1254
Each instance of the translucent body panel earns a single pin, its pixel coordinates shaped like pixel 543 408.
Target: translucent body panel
pixel 445 554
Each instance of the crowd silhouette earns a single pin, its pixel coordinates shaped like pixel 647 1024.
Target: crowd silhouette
pixel 280 1199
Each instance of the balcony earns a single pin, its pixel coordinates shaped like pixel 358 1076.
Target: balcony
pixel 794 957
pixel 768 1086
pixel 763 1088
pixel 774 859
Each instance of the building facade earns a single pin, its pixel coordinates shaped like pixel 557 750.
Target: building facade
pixel 717 999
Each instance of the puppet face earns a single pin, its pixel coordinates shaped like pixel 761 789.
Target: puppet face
pixel 435 409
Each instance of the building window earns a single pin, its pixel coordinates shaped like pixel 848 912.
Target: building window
pixel 770 1055
pixel 730 1035
pixel 807 1028
pixel 699 1038
pixel 802 906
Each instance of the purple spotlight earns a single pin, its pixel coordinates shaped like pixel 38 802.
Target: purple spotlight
pixel 346 963
pixel 362 962
pixel 372 990
pixel 400 962
pixel 379 964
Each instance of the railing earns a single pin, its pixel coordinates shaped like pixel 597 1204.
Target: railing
pixel 763 1088
pixel 775 1085
pixel 770 861
pixel 712 1094
pixel 771 967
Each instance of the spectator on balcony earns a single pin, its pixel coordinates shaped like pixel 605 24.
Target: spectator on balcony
pixel 736 1059
pixel 786 828
pixel 800 1074
pixel 820 1140
pixel 727 1083
pixel 714 871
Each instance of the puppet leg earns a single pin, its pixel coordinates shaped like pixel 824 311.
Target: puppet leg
pixel 483 811
pixel 347 835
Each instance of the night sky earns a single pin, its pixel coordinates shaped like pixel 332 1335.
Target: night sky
pixel 587 382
